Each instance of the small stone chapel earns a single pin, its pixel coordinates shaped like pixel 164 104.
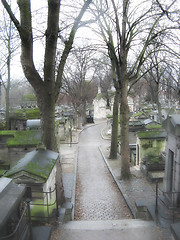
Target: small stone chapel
pixel 99 106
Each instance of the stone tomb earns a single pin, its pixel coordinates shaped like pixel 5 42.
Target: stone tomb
pixel 149 147
pixel 11 199
pixel 172 156
pixel 39 170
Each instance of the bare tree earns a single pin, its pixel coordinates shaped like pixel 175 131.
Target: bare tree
pixel 47 86
pixel 9 43
pixel 77 84
pixel 128 31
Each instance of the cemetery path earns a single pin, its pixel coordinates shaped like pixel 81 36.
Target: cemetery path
pixel 100 210
pixel 97 196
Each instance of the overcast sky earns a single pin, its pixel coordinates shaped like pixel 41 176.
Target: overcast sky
pixel 84 35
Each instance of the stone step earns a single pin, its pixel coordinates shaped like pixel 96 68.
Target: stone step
pixel 111 230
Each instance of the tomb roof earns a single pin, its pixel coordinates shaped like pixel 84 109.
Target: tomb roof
pixel 172 124
pixel 151 134
pixel 38 163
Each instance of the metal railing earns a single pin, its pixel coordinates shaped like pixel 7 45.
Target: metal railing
pixel 23 228
pixel 47 205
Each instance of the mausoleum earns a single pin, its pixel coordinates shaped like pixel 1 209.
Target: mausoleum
pixel 40 171
pixel 172 167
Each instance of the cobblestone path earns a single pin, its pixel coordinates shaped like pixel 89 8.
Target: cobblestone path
pixel 97 196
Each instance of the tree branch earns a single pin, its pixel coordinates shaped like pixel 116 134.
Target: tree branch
pixel 68 47
pixel 11 15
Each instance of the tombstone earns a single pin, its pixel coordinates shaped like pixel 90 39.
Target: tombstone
pixel 11 205
pixel 149 146
pixel 172 158
pixel 39 170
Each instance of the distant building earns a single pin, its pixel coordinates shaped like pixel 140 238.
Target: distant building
pixel 99 106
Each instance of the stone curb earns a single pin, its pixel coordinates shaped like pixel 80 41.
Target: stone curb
pixel 73 198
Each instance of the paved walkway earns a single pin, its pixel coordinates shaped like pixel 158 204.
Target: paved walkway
pixel 96 191
pixel 97 196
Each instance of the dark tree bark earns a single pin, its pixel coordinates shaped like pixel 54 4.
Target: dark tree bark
pixel 115 124
pixel 124 108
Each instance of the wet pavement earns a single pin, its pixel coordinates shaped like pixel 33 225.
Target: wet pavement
pixel 97 196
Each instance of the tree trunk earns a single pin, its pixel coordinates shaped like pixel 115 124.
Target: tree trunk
pixel 124 108
pixel 114 135
pixel 159 110
pixel 7 94
pixel 83 113
pixel 47 111
pixel 158 102
pixel 47 89
pixel 124 123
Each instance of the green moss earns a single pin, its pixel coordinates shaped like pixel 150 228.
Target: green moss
pixel 2 171
pixel 2 125
pixel 153 158
pixel 33 113
pixel 29 97
pixel 152 148
pixel 18 114
pixel 137 114
pixel 146 145
pixel 24 114
pixel 154 126
pixel 145 112
pixel 44 172
pixel 38 163
pixel 40 210
pixel 151 134
pixel 7 133
pixel 24 138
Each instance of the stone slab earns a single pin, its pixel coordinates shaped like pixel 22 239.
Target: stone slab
pixel 41 233
pixel 68 181
pixel 175 229
pixel 108 230
pixel 156 175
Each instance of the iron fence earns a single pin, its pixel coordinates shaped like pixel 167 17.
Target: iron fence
pixel 46 205
pixel 23 229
